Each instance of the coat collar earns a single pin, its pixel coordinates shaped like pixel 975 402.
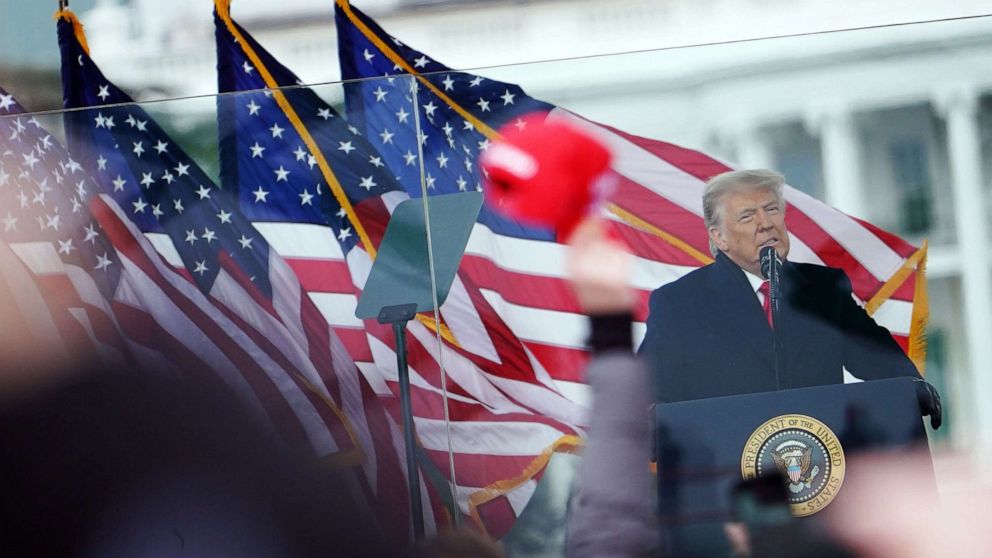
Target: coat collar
pixel 736 309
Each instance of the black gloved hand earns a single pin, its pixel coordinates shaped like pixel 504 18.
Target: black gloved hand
pixel 929 401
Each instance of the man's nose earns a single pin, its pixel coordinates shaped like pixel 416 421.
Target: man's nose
pixel 763 221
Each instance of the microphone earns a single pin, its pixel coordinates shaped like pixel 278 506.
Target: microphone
pixel 771 265
pixel 770 262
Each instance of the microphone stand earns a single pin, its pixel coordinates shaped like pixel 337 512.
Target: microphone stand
pixel 771 267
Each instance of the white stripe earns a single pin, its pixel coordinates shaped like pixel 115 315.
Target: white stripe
pixel 301 240
pixel 228 292
pixel 39 257
pixel 338 309
pixel 487 438
pixel 463 319
pixel 486 387
pixel 550 327
pixel 895 315
pixel 520 496
pixel 30 302
pixel 353 405
pixel 880 260
pixel 164 246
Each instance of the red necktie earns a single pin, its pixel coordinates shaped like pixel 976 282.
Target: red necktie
pixel 766 304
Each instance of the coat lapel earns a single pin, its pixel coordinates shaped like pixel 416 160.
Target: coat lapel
pixel 740 316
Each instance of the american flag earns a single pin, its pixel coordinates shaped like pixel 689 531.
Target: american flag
pixel 214 286
pixel 656 208
pixel 507 416
pixel 44 219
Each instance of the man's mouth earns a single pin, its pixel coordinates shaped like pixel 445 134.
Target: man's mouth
pixel 768 242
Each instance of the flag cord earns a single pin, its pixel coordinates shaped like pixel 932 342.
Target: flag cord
pixel 414 86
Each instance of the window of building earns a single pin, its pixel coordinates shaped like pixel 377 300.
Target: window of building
pixel 911 171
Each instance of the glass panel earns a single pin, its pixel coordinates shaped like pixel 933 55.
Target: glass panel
pixel 228 240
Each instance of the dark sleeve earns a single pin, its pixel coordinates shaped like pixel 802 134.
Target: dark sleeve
pixel 870 352
pixel 614 514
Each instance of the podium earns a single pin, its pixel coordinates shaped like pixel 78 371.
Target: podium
pixel 705 447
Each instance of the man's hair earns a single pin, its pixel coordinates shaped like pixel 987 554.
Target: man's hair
pixel 732 182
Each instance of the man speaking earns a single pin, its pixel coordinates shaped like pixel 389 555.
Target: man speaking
pixel 713 333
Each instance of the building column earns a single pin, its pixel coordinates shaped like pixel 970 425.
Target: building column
pixel 959 107
pixel 840 151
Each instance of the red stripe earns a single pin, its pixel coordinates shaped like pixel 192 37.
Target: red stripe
pixel 562 363
pixel 322 276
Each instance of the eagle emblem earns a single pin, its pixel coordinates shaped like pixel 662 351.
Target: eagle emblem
pixel 795 460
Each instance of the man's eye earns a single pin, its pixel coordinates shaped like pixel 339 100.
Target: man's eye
pixel 745 219
pixel 772 209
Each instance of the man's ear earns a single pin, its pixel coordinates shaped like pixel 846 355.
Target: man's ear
pixel 717 237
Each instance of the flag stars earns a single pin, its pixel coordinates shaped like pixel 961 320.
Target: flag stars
pixel 168 177
pixel 368 56
pixel 420 62
pixel 208 235
pixel 77 206
pixel 261 195
pixel 324 113
pixel 387 136
pixel 182 170
pixel 449 84
pixel 276 131
pixel 203 192
pixel 91 234
pixel 430 180
pixel 248 68
pixel 475 81
pixel 161 146
pixel 191 236
pixel 177 204
pixel 300 153
pixel 139 206
pixel 468 125
pixel 256 150
pixel 520 123
pixel 462 184
pixel 6 101
pixel 224 217
pixel 430 108
pixel 100 120
pixel 253 108
pixel 139 148
pixel 376 161
pixel 409 157
pixel 311 161
pixel 442 160
pixel 484 144
pixel 306 197
pixel 9 223
pixel 507 98
pixel 201 267
pixel 52 222
pixel 66 247
pixel 30 160
pixel 367 183
pixel 104 92
pixel 281 174
pixel 344 234
pixel 141 124
pixel 146 179
pixel 157 211
pixel 101 163
pixel 380 94
pixel 103 262
pixel 483 105
pixel 245 242
pixel 354 131
pixel 468 165
pixel 402 115
pixel 346 147
pixel 119 183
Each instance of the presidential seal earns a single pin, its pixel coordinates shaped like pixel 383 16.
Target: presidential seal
pixel 805 452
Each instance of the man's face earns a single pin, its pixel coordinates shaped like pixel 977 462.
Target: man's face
pixel 751 220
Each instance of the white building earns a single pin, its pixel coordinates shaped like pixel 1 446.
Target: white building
pixel 887 123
